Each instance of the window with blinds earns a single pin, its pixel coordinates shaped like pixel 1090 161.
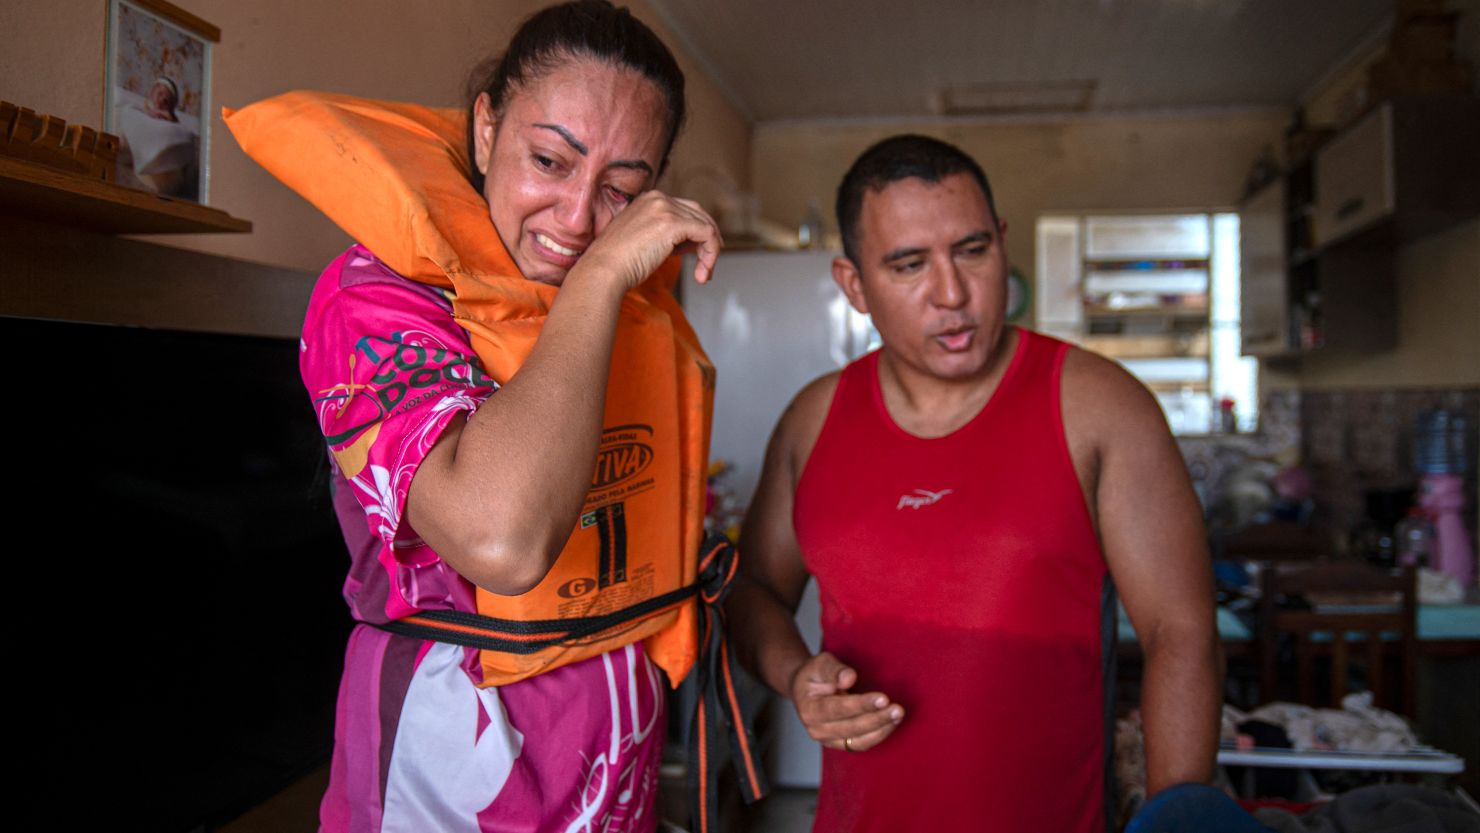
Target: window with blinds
pixel 1160 294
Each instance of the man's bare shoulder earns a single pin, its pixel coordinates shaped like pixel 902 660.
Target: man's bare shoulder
pixel 801 422
pixel 1101 399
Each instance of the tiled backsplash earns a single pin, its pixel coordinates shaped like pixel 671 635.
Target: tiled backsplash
pixel 1355 440
pixel 1349 440
pixel 1216 460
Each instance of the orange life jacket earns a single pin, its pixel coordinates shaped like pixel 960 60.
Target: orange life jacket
pixel 643 519
pixel 395 177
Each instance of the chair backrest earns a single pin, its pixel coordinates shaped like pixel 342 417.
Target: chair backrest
pixel 1276 541
pixel 1353 611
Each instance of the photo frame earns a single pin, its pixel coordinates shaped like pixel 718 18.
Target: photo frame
pixel 157 97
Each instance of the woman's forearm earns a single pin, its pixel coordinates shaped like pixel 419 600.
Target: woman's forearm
pixel 498 496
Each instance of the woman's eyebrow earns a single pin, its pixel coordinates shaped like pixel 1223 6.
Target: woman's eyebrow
pixel 580 147
pixel 569 138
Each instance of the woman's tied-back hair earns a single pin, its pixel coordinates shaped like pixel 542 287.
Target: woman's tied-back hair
pixel 893 159
pixel 578 29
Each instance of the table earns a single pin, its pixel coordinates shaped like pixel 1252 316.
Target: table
pixel 1443 630
pixel 1449 677
pixel 1417 759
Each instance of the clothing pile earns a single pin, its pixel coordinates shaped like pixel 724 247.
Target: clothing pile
pixel 1358 726
pixel 1381 808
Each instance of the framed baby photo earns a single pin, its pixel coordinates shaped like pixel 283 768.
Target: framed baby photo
pixel 157 97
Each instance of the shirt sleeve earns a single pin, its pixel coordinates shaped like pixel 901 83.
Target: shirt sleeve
pixel 387 368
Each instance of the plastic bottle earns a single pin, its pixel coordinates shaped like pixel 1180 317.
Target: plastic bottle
pixel 1227 420
pixel 1414 539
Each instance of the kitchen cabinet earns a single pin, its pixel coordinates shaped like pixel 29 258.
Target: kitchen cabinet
pixel 1318 246
pixel 1354 177
pixel 1296 298
pixel 1264 305
pixel 1406 169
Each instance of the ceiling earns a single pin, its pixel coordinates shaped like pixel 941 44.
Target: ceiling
pixel 807 59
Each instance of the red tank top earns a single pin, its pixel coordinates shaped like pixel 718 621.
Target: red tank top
pixel 962 576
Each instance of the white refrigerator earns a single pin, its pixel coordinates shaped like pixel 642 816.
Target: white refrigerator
pixel 772 322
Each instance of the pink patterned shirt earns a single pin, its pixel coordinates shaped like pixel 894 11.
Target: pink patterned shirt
pixel 418 746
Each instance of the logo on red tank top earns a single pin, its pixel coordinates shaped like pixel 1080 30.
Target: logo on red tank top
pixel 921 497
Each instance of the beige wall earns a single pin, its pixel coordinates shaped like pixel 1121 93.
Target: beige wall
pixel 1166 162
pixel 51 60
pixel 1438 315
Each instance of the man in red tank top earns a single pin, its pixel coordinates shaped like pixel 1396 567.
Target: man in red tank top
pixel 962 496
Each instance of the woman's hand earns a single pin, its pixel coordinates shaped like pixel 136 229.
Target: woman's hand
pixel 645 233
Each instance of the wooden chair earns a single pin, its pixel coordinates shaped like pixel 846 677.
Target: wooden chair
pixel 1279 541
pixel 1275 541
pixel 1352 611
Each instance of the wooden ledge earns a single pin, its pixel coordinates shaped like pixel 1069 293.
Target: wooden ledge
pixel 37 192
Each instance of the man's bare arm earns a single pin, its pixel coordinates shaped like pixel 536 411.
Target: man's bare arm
pixel 762 605
pixel 772 575
pixel 1151 529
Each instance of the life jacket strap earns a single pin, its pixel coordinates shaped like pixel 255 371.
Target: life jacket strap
pixel 720 719
pixel 525 636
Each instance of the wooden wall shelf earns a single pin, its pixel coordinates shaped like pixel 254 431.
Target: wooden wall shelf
pixel 40 193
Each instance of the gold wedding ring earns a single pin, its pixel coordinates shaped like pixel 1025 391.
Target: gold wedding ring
pixel 847 744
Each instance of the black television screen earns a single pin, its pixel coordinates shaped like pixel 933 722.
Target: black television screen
pixel 180 570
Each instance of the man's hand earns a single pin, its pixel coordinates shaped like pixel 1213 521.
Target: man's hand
pixel 763 602
pixel 835 718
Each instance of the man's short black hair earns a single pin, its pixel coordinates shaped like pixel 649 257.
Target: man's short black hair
pixel 893 159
